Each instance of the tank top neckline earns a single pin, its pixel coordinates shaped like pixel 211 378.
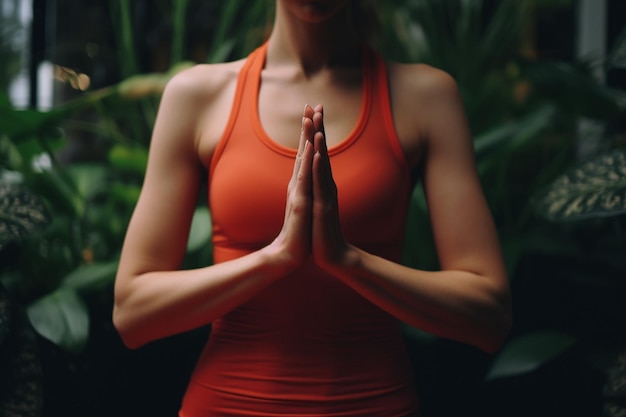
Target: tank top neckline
pixel 366 100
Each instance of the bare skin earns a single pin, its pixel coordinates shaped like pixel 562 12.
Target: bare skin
pixel 468 300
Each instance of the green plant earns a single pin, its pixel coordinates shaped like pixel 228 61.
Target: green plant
pixel 21 214
pixel 89 204
pixel 524 115
pixel 586 201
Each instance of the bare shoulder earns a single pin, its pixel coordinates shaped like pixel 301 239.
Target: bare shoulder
pixel 201 83
pixel 431 96
pixel 423 82
pixel 200 98
pixel 420 94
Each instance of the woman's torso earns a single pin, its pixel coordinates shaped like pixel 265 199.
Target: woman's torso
pixel 307 345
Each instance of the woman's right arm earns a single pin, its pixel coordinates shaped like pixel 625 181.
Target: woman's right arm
pixel 153 298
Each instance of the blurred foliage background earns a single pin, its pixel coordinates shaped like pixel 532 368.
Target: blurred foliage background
pixel 70 176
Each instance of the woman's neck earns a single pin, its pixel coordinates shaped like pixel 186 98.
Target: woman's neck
pixel 313 46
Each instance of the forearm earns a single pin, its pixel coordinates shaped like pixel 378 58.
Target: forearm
pixel 157 304
pixel 458 305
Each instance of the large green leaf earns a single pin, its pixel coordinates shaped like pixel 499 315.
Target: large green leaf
pixel 594 189
pixel 62 318
pixel 201 229
pixel 58 189
pixel 126 193
pixel 22 213
pixel 89 179
pixel 19 123
pixel 515 133
pixel 91 277
pixel 129 158
pixel 529 352
pixel 10 156
pixel 617 57
pixel 578 92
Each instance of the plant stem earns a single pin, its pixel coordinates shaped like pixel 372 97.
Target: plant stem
pixel 178 26
pixel 127 55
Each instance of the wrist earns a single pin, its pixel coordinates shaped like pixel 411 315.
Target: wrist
pixel 345 260
pixel 277 258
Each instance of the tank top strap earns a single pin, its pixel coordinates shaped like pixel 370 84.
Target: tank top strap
pixel 381 102
pixel 249 72
pixel 376 107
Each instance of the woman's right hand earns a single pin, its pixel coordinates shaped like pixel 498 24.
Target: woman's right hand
pixel 293 244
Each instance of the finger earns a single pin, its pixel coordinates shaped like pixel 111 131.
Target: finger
pixel 306 135
pixel 324 187
pixel 321 148
pixel 309 112
pixel 318 119
pixel 300 192
pixel 300 185
pixel 325 198
pixel 304 179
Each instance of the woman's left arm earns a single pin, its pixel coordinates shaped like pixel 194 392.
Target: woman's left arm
pixel 468 300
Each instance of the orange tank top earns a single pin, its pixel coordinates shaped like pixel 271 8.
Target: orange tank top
pixel 307 345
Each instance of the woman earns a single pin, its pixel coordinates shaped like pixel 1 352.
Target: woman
pixel 307 291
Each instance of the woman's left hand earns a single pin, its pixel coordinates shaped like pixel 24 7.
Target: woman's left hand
pixel 329 246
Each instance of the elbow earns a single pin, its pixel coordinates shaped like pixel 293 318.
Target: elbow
pixel 124 328
pixel 497 321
